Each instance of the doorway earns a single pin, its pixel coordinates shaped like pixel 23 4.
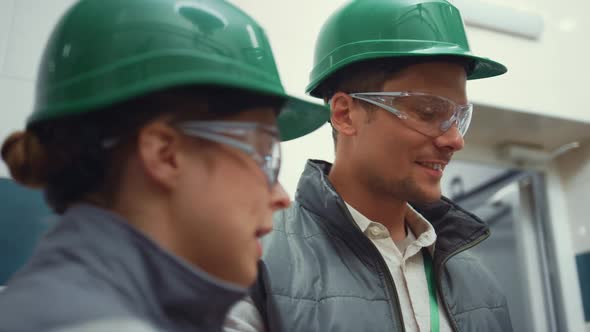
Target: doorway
pixel 512 203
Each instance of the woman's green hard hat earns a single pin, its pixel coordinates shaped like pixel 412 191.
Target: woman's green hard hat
pixel 104 52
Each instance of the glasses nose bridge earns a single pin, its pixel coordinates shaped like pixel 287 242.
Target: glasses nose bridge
pixel 464 117
pixel 447 124
pixel 459 113
pixel 272 165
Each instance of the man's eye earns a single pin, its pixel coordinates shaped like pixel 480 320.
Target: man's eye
pixel 419 111
pixel 426 113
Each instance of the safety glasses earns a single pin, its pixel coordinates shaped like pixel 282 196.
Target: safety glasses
pixel 428 114
pixel 260 142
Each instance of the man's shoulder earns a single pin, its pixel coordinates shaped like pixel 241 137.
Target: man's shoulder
pixel 295 221
pixel 476 279
pixel 297 233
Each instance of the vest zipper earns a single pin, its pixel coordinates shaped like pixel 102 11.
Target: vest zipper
pixel 472 244
pixel 391 289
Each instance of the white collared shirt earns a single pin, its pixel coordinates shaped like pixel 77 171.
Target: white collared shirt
pixel 405 263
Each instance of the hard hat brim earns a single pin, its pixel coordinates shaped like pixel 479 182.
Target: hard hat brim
pixel 482 67
pixel 96 90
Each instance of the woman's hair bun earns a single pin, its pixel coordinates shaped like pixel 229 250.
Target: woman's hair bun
pixel 26 158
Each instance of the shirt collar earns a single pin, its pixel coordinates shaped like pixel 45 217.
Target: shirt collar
pixel 421 229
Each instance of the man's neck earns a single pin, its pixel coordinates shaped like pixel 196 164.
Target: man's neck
pixel 378 208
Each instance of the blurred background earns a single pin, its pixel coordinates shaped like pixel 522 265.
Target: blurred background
pixel 525 169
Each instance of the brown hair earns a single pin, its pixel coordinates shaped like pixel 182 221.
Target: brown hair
pixel 371 75
pixel 25 156
pixel 66 157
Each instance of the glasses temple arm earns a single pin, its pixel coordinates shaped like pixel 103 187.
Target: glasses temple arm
pixel 221 139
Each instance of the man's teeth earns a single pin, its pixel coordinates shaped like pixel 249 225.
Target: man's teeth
pixel 437 167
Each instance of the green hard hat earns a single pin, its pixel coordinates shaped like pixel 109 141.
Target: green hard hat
pixel 371 29
pixel 107 51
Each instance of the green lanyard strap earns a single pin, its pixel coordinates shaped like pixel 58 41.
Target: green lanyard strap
pixel 429 271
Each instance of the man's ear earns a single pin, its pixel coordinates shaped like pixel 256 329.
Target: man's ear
pixel 341 106
pixel 159 153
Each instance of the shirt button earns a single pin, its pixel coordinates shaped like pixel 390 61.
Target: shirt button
pixel 375 231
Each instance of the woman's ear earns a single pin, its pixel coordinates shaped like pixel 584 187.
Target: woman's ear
pixel 159 153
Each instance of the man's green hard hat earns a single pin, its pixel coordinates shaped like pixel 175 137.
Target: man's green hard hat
pixel 372 29
pixel 104 52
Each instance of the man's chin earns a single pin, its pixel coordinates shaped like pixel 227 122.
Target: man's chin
pixel 427 196
pixel 408 190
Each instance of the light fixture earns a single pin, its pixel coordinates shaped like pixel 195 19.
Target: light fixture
pixel 500 18
pixel 529 155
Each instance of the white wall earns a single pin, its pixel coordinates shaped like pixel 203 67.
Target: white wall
pixel 24 27
pixel 546 77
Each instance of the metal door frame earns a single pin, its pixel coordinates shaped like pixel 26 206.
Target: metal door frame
pixel 533 190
